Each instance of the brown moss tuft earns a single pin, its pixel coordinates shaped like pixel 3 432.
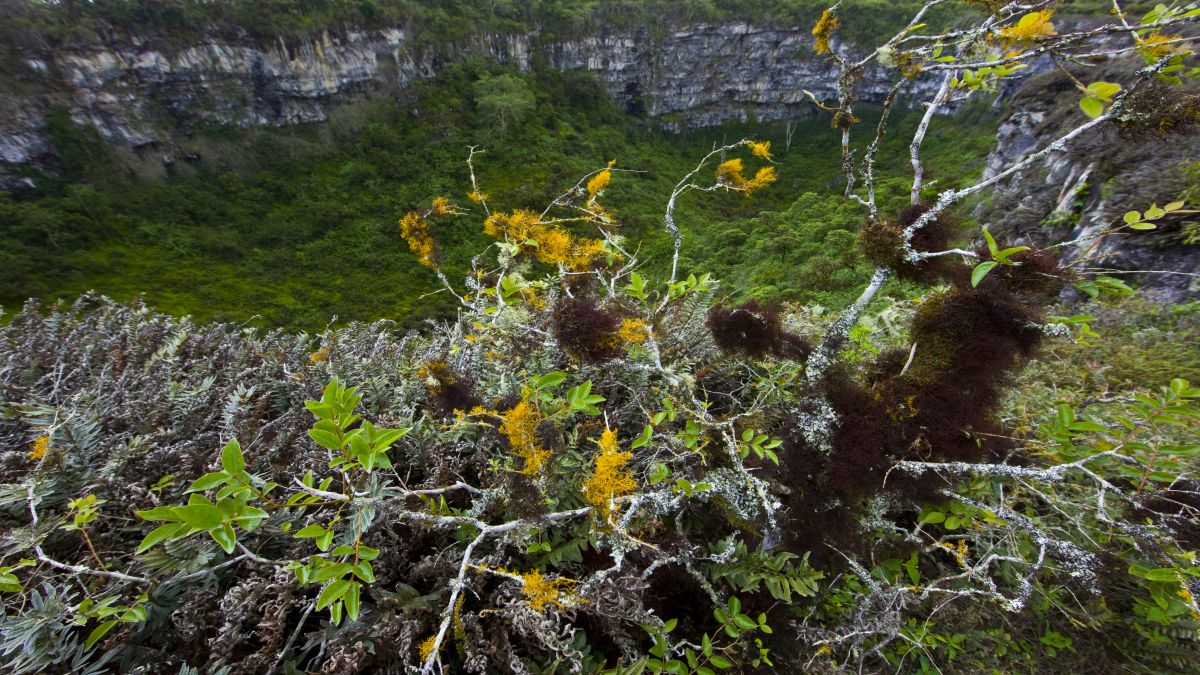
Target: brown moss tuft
pixel 755 331
pixel 448 389
pixel 882 243
pixel 1036 275
pixel 587 331
pixel 1159 111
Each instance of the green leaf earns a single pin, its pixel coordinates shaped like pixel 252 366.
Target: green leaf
pixel 1092 106
pixel 659 473
pixel 363 571
pixel 231 457
pixel 310 531
pixel 208 481
pixel 647 434
pixel 1103 90
pixel 934 517
pixel 160 533
pixel 991 241
pixel 981 271
pixel 99 632
pixel 1131 217
pixel 200 516
pixel 332 592
pixel 744 622
pixel 160 513
pixel 1003 256
pixel 351 599
pixel 325 540
pixel 325 439
pixel 720 661
pixel 551 379
pixel 334 571
pixel 225 536
pixel 1163 574
pixel 1143 226
pixel 1173 206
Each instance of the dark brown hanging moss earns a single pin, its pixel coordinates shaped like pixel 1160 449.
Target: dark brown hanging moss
pixel 882 243
pixel 586 331
pixel 969 343
pixel 755 331
pixel 1035 275
pixel 448 390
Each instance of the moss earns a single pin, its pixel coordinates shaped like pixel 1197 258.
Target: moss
pixel 1159 111
pixel 753 330
pixel 587 331
pixel 882 242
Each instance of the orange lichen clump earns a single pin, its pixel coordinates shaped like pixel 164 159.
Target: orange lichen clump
pixel 414 229
pixel 598 183
pixel 761 149
pixel 548 242
pixel 519 424
pixel 38 448
pixel 1030 28
pixel 610 479
pixel 425 649
pixel 541 592
pixel 823 31
pixel 632 331
pixel 730 175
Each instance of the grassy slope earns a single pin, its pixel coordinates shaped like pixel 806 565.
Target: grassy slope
pixel 295 226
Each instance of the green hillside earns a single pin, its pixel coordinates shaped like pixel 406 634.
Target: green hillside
pixel 290 227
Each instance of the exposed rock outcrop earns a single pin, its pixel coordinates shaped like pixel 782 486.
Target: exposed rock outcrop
pixel 139 92
pixel 1079 192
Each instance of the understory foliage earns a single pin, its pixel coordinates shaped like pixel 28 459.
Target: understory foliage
pixel 591 470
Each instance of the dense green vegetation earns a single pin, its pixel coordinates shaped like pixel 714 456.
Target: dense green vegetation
pixel 447 20
pixel 255 227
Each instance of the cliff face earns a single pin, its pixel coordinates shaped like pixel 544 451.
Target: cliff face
pixel 1078 193
pixel 137 92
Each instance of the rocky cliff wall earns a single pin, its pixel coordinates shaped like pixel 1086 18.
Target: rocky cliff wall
pixel 1079 192
pixel 138 92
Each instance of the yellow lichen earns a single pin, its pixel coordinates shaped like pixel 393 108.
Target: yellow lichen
pixel 38 448
pixel 1155 46
pixel 541 592
pixel 729 172
pixel 632 331
pixel 519 424
pixel 729 175
pixel 460 629
pixel 477 196
pixel 441 206
pixel 610 479
pixel 319 356
pixel 425 649
pixel 823 31
pixel 548 242
pixel 598 183
pixel 530 294
pixel 414 229
pixel 1030 28
pixel 762 178
pixel 761 149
